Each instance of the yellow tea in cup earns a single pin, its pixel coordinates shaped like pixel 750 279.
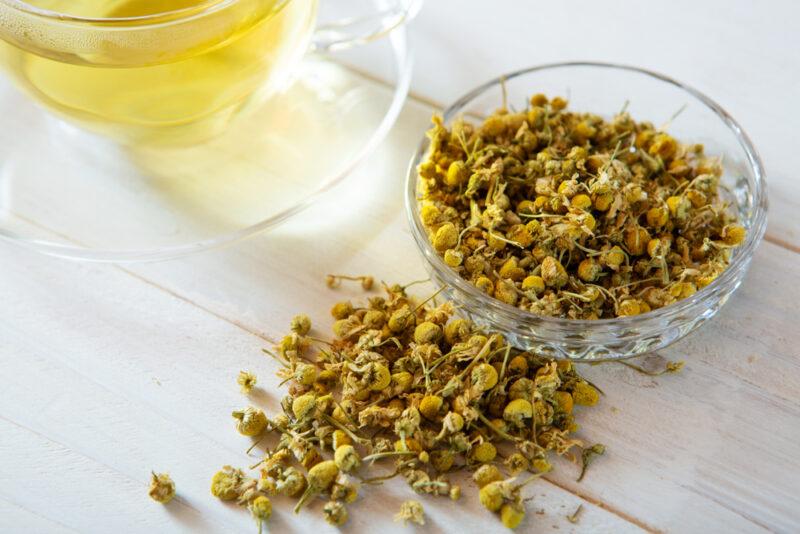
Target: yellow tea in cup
pixel 153 71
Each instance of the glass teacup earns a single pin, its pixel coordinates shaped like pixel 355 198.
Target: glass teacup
pixel 164 71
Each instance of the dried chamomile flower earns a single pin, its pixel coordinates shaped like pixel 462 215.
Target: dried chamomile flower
pixel 301 324
pixel 346 458
pixel 553 272
pixel 453 422
pixel 585 395
pixel 516 463
pixel 292 344
pixel 430 405
pixel 267 486
pixel 485 474
pixel 320 478
pixel 380 377
pixel 340 438
pixel 162 488
pixel 411 511
pixel 484 452
pixel 442 460
pixel 733 234
pixel 512 514
pixel 400 319
pixel 427 332
pixel 564 402
pixel 504 496
pixel 446 237
pixel 291 482
pixel 335 513
pixel 250 421
pixel 493 494
pixel 342 310
pixel 518 365
pixel 305 374
pixel 453 257
pixel 456 329
pixel 246 381
pixel 261 509
pixel 484 377
pixel 517 412
pixel 374 319
pixel 304 405
pixel 226 483
pixel 344 490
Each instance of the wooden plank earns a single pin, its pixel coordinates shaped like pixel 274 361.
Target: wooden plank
pixel 102 385
pixel 12 517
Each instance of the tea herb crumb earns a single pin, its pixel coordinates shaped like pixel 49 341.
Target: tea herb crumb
pixel 574 517
pixel 669 368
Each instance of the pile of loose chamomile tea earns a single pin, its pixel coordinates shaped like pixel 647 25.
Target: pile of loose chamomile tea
pixel 566 214
pixel 404 388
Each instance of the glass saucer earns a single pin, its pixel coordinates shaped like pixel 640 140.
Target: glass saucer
pixel 68 193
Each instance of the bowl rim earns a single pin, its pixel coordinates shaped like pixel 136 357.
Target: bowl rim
pixel 740 261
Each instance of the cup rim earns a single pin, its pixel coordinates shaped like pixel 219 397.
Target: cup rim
pixel 740 261
pixel 204 8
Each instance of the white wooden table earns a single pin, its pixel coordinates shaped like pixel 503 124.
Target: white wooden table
pixel 108 372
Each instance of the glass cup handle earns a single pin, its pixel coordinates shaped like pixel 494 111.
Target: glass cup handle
pixel 357 30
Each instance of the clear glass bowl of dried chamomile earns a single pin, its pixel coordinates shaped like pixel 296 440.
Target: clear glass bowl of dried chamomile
pixel 590 211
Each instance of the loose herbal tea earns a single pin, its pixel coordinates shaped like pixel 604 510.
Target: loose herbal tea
pixel 566 214
pixel 407 386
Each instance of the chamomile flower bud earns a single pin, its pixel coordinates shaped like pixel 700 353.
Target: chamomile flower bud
pixel 346 458
pixel 335 513
pixel 250 421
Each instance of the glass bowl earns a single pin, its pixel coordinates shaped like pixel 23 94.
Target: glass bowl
pixel 604 88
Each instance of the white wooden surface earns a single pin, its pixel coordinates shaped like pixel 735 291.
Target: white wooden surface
pixel 107 372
